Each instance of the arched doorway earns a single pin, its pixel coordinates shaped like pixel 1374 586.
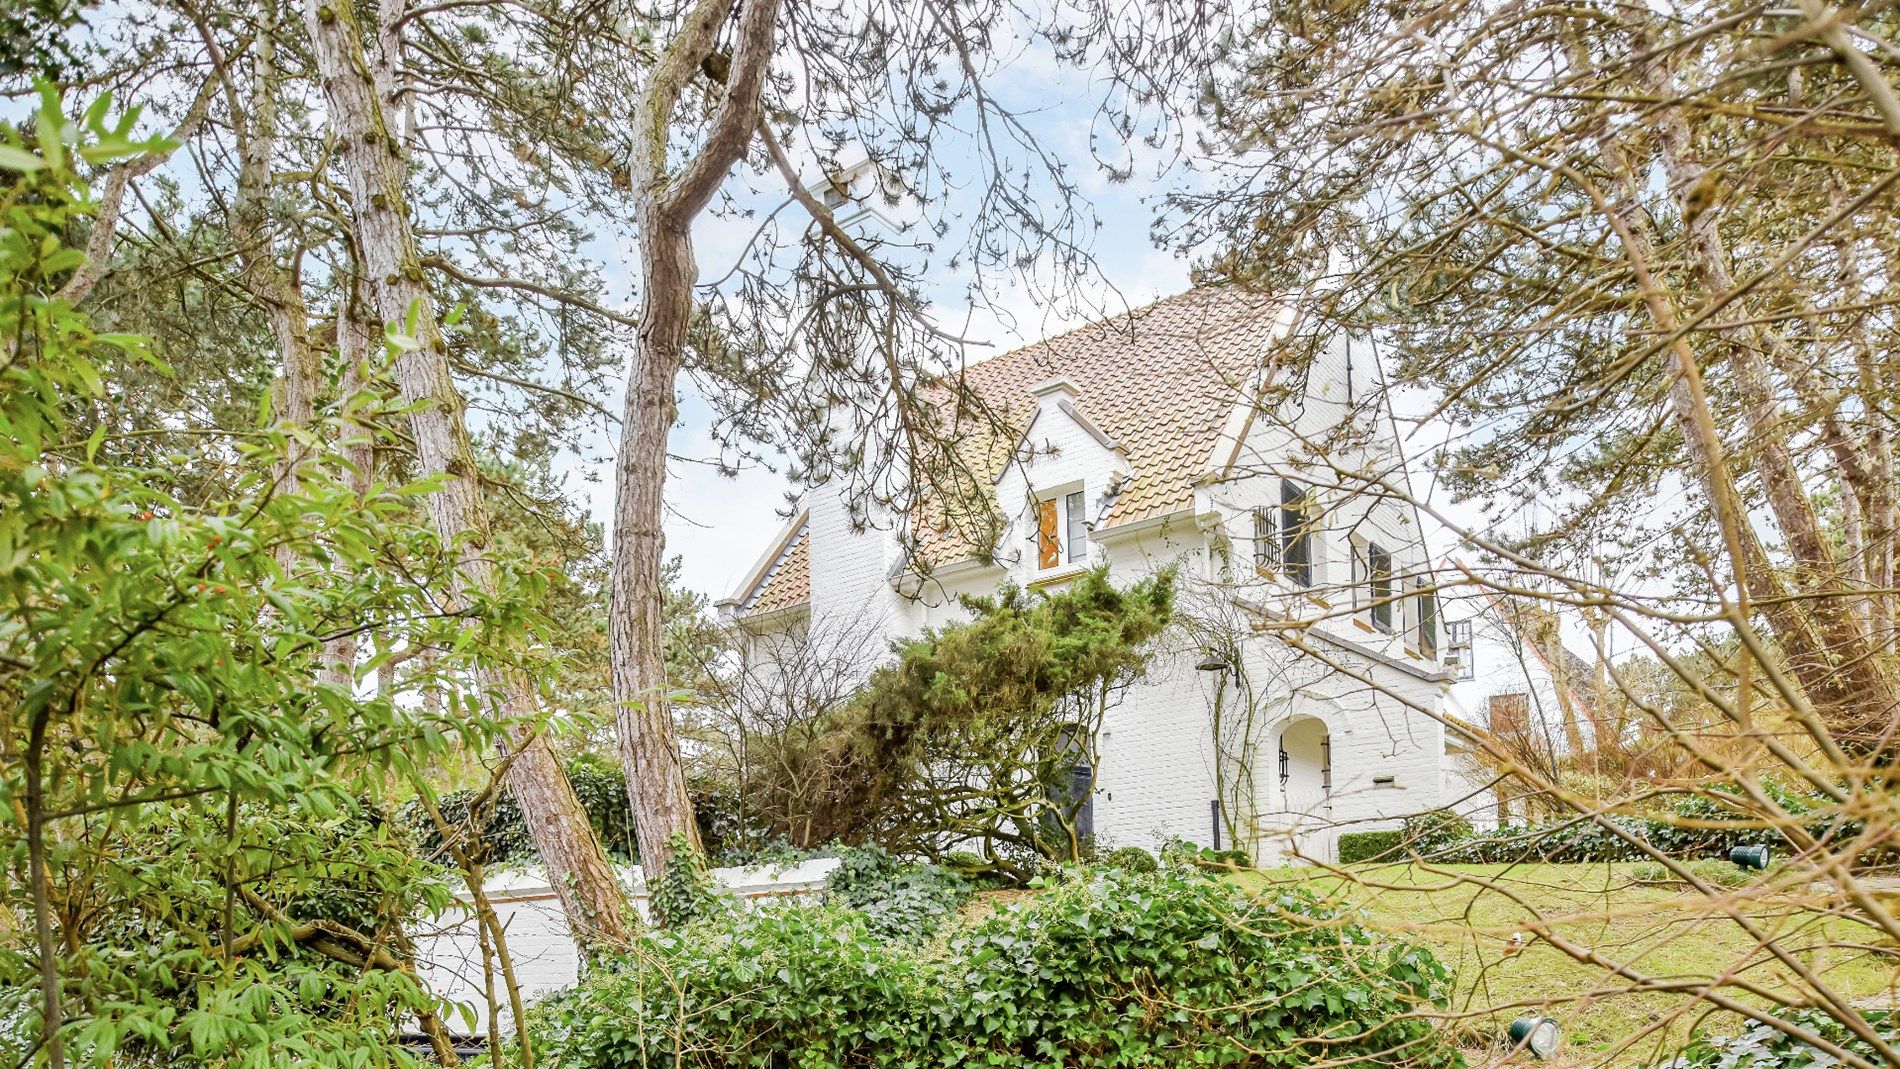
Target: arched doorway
pixel 1305 767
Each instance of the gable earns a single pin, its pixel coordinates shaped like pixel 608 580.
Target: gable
pixel 1160 384
pixel 782 579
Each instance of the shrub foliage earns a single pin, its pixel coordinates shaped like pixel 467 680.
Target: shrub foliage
pixel 1103 967
pixel 1357 846
pixel 1762 1045
pixel 970 738
pixel 899 900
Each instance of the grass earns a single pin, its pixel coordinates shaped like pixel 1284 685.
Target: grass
pixel 1484 922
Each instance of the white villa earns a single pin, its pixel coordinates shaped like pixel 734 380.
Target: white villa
pixel 1172 438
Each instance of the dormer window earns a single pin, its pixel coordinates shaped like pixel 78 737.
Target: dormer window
pixel 1073 505
pixel 1062 530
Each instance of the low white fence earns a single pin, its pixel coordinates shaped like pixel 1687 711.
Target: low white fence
pixel 450 956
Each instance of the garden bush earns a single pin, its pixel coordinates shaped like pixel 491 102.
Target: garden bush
pixel 1101 967
pixel 1183 852
pixel 1763 1046
pixel 1357 846
pixel 905 901
pixel 796 986
pixel 1434 829
pixel 1694 827
pixel 1131 859
pixel 1080 975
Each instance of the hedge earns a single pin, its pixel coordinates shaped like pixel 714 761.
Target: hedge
pixel 1356 846
pixel 1695 827
pixel 1763 1046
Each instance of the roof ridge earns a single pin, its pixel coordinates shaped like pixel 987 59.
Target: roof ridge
pixel 1200 290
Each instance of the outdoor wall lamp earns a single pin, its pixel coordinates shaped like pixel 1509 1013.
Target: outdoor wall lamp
pixel 1212 661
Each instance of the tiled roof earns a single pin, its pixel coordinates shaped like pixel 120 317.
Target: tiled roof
pixel 1159 381
pixel 788 583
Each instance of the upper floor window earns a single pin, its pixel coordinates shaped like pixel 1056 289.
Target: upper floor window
pixel 1458 649
pixel 1058 520
pixel 1379 585
pixel 1074 506
pixel 1296 533
pixel 1266 540
pixel 1427 601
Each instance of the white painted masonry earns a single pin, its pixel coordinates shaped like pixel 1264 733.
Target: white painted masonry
pixel 543 953
pixel 1317 661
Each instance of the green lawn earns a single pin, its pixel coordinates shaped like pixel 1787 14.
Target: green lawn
pixel 1468 914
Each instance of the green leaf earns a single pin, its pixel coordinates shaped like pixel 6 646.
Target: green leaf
pixel 18 159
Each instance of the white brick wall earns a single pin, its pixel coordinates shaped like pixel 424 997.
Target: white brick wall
pixel 1155 779
pixel 543 954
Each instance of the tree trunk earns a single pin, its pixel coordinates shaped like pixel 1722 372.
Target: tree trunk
pixel 649 747
pixel 1842 671
pixel 1815 622
pixel 577 868
pixel 274 286
pixel 668 201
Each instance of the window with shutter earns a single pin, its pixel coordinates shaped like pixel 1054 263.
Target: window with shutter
pixel 1076 507
pixel 1296 533
pixel 1427 601
pixel 1379 585
pixel 1048 537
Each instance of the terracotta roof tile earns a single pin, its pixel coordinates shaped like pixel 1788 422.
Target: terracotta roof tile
pixel 1159 381
pixel 789 581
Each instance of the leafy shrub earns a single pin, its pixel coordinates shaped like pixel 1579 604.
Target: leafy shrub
pixel 1763 1046
pixel 1696 826
pixel 775 851
pixel 793 985
pixel 1102 967
pixel 901 901
pixel 1357 846
pixel 1184 853
pixel 1435 829
pixel 685 892
pixel 1131 859
pixel 1072 977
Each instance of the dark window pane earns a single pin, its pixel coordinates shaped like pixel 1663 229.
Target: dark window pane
pixel 1379 579
pixel 1296 536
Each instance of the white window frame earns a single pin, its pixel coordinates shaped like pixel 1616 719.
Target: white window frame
pixel 1307 528
pixel 1378 605
pixel 1070 552
pixel 1074 514
pixel 1464 666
